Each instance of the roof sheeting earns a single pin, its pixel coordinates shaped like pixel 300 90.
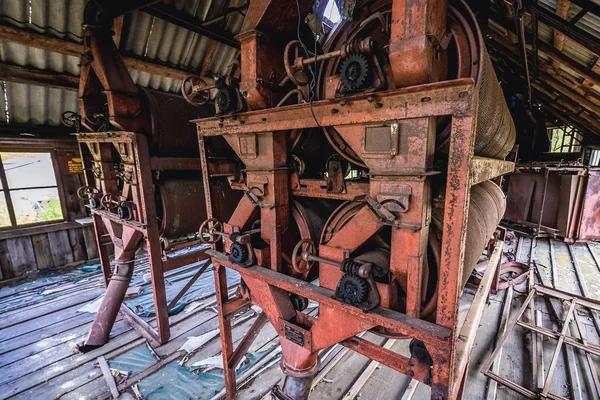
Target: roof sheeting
pixel 143 36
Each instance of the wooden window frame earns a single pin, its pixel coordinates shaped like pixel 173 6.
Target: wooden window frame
pixel 5 191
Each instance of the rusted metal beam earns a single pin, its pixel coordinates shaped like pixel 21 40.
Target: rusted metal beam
pixel 38 40
pixel 414 327
pixel 450 97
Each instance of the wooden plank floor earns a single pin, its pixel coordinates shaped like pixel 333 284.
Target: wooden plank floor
pixel 40 328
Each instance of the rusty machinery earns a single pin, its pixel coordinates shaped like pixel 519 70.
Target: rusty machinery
pixel 555 199
pixel 144 184
pixel 385 135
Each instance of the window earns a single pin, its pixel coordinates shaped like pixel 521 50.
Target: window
pixel 565 139
pixel 332 12
pixel 29 190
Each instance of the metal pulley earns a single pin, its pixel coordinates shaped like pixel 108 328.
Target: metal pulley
pixel 353 287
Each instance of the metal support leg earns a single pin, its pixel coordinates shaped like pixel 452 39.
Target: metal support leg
pixel 225 328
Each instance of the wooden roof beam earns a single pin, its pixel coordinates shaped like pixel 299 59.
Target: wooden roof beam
pixel 551 77
pixel 550 51
pixel 562 10
pixel 38 40
pixel 19 74
pixel 577 34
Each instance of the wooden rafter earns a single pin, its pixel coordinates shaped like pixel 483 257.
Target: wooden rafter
pixel 549 93
pixel 38 40
pixel 562 10
pixel 592 75
pixel 19 74
pixel 553 78
pixel 575 33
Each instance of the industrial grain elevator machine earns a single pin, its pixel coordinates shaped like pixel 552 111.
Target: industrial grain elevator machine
pixel 378 145
pixel 143 180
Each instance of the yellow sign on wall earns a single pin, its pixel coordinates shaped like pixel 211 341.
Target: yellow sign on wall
pixel 75 165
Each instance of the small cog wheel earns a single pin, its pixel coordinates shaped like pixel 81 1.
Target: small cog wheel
pixel 238 253
pixel 354 71
pixel 353 289
pixel 224 99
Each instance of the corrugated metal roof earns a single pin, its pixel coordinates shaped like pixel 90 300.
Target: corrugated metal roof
pixel 143 36
pixel 153 39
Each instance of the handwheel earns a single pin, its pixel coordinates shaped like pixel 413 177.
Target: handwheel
pixel 300 256
pixel 110 202
pixel 298 76
pixel 86 192
pixel 195 90
pixel 213 232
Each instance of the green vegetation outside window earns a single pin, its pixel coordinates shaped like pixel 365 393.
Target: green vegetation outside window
pixel 30 193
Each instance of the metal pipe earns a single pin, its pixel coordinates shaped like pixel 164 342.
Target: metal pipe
pixel 111 303
pixel 577 207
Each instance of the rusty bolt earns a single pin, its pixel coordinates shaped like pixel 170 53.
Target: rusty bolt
pixel 245 93
pixel 295 186
pixel 343 102
pixel 370 99
pixel 242 121
pixel 378 105
pixel 234 117
pixel 335 111
pixel 221 119
pixel 341 188
pixel 439 359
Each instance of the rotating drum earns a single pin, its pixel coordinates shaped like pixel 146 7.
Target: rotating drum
pixel 467 57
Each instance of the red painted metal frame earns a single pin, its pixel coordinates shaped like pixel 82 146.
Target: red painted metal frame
pixel 134 149
pixel 269 287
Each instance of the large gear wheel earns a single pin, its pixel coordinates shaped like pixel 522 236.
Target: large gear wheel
pixel 224 99
pixel 238 253
pixel 354 71
pixel 353 289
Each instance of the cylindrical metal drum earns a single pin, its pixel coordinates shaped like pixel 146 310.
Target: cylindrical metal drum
pixel 467 57
pixel 181 206
pixel 486 209
pixel 171 134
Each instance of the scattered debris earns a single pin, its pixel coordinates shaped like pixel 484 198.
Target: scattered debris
pixel 90 268
pixel 209 363
pixel 133 291
pixel 152 351
pixel 137 392
pixel 195 342
pixel 110 380
pixel 92 307
pixel 192 306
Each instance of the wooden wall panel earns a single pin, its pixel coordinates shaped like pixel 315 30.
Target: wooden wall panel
pixel 21 255
pixel 77 244
pixel 42 251
pixel 90 242
pixel 5 261
pixel 60 244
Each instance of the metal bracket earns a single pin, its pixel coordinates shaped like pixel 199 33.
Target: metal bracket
pixel 335 175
